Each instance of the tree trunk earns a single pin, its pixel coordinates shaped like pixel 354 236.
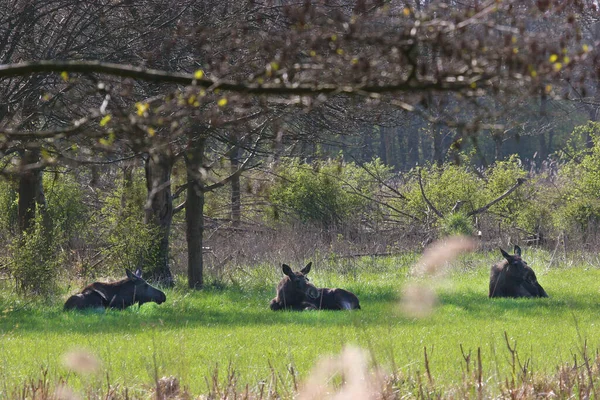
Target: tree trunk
pixel 127 185
pixel 236 212
pixel 194 214
pixel 438 145
pixel 544 143
pixel 159 214
pixel 386 151
pixel 497 147
pixel 400 148
pixel 31 192
pixel 412 149
pixel 367 151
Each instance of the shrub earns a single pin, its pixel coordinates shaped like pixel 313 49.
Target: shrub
pixel 36 260
pixel 529 207
pixel 456 223
pixel 455 191
pixel 444 187
pixel 65 205
pixel 579 181
pixel 124 238
pixel 329 193
pixel 8 209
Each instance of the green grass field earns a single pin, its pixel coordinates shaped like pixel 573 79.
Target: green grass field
pixel 196 333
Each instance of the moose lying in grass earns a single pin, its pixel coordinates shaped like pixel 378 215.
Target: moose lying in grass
pixel 119 295
pixel 512 277
pixel 295 292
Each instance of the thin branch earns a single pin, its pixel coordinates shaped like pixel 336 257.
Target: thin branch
pixel 357 192
pixel 161 76
pixel 379 180
pixel 435 210
pixel 179 207
pixel 520 181
pixel 223 182
pixel 53 133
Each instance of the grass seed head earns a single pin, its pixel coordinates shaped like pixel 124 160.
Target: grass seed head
pixel 358 381
pixel 418 300
pixel 81 361
pixel 436 256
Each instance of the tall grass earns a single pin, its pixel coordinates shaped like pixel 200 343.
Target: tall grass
pixel 224 339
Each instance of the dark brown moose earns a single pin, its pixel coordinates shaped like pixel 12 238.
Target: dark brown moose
pixel 295 292
pixel 512 277
pixel 119 295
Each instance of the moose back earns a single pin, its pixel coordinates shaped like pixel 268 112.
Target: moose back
pixel 120 295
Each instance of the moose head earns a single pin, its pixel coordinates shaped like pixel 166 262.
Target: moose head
pixel 299 282
pixel 142 291
pixel 512 277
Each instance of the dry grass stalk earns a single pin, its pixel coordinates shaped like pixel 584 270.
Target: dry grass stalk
pixel 419 300
pixel 63 392
pixel 440 253
pixel 169 388
pixel 81 361
pixel 358 382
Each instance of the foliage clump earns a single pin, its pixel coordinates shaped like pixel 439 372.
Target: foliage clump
pixel 329 193
pixel 126 241
pixel 578 203
pixel 36 259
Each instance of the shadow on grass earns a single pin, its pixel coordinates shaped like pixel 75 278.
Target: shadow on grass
pixel 478 305
pixel 238 308
pixel 210 308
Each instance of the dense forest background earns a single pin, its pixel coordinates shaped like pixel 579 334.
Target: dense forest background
pixel 192 137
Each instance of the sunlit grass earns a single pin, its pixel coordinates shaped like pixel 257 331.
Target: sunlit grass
pixel 194 333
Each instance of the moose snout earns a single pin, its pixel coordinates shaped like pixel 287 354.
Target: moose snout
pixel 312 292
pixel 161 298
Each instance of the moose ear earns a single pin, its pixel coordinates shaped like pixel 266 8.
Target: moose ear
pixel 517 250
pixel 287 270
pixel 306 269
pixel 131 275
pixel 505 254
pixel 138 272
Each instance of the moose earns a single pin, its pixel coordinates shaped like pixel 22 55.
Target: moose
pixel 512 277
pixel 295 292
pixel 117 295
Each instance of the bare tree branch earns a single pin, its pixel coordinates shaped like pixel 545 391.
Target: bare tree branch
pixel 520 181
pixel 435 210
pixel 155 75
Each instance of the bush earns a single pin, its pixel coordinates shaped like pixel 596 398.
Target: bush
pixel 329 193
pixel 65 205
pixel 124 238
pixel 455 191
pixel 529 207
pixel 8 209
pixel 36 260
pixel 579 181
pixel 444 187
pixel 456 223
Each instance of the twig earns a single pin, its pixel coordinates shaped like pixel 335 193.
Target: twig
pixel 439 214
pixel 520 181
